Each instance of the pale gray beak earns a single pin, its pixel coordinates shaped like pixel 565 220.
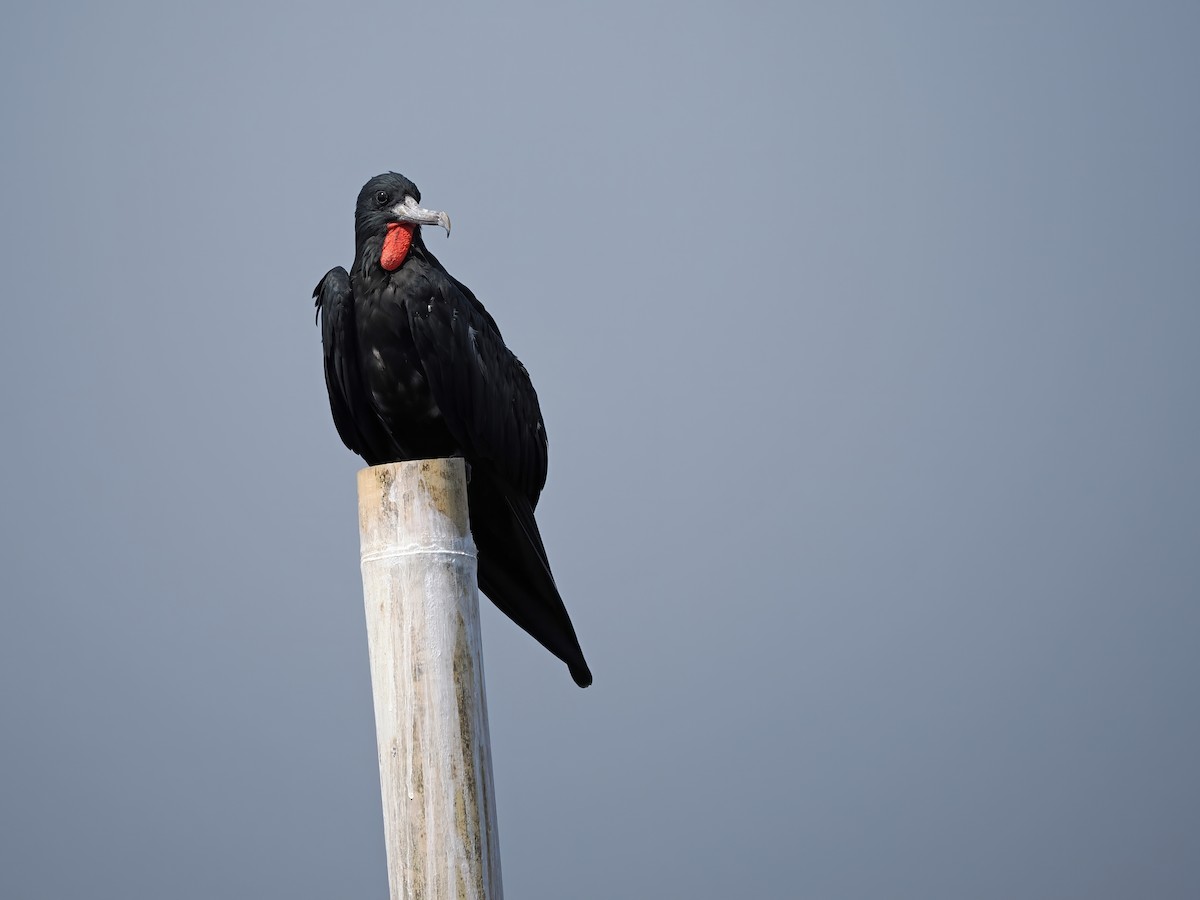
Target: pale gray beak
pixel 408 211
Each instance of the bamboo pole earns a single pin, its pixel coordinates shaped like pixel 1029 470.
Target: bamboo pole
pixel 422 605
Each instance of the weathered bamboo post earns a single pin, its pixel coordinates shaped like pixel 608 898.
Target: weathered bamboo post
pixel 435 766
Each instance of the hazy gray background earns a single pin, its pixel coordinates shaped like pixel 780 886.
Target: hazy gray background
pixel 867 338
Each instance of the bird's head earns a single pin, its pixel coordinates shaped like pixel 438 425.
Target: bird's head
pixel 389 216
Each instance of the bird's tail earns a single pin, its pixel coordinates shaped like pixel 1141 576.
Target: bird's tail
pixel 515 573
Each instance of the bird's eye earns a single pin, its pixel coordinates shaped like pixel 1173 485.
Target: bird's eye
pixel 382 197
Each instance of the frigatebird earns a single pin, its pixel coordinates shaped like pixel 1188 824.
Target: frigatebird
pixel 416 369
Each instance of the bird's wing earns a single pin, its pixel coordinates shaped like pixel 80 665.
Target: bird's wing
pixel 335 308
pixel 483 391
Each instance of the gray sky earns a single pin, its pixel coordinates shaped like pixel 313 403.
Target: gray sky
pixel 867 341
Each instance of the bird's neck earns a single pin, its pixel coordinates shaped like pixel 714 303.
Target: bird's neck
pixel 369 248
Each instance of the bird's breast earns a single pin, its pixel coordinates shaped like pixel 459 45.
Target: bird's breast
pixel 393 374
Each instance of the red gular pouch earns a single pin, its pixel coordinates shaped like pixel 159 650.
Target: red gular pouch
pixel 396 244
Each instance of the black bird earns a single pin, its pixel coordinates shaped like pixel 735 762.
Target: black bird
pixel 416 368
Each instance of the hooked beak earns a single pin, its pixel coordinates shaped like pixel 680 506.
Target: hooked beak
pixel 408 211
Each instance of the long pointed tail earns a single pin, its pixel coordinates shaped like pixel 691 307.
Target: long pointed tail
pixel 515 574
